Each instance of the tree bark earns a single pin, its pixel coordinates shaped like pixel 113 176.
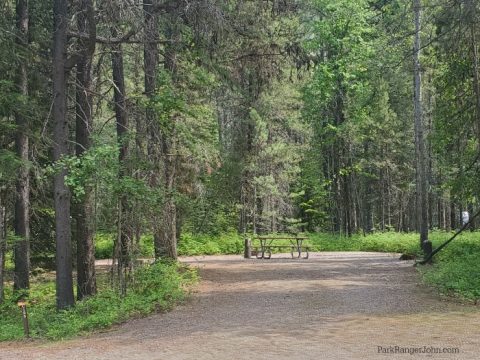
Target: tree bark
pixel 22 200
pixel 84 209
pixel 421 183
pixel 150 58
pixel 64 282
pixel 125 236
pixel 3 247
pixel 453 216
pixel 169 218
pixel 161 140
pixel 476 69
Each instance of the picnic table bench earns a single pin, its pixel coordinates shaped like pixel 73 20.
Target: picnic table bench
pixel 263 249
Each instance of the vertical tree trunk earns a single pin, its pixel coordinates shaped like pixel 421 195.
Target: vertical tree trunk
pixel 336 210
pixel 3 247
pixel 150 58
pixel 165 231
pixel 476 70
pixel 125 222
pixel 389 200
pixel 347 204
pixel 169 218
pixel 453 216
pixel 421 183
pixel 382 180
pixel 440 214
pixel 64 283
pixel 22 200
pixel 368 192
pixel 447 209
pixel 84 209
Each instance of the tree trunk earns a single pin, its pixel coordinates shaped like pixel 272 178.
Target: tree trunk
pixel 22 200
pixel 476 66
pixel 165 230
pixel 150 58
pixel 421 176
pixel 440 214
pixel 448 217
pixel 382 179
pixel 453 216
pixel 84 209
pixel 125 222
pixel 169 218
pixel 64 282
pixel 3 247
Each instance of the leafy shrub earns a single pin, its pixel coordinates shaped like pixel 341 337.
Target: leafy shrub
pixel 230 243
pixel 157 287
pixel 104 244
pixel 456 269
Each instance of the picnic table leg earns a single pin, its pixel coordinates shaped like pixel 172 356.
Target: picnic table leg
pixel 299 248
pixel 269 251
pixel 262 250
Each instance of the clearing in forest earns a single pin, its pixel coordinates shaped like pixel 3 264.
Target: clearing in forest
pixel 331 306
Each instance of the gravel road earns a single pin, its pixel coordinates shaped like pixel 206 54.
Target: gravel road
pixel 331 306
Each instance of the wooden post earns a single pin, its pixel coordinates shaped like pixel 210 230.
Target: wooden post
pixel 248 249
pixel 23 306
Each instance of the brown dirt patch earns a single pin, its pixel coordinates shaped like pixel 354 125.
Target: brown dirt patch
pixel 331 306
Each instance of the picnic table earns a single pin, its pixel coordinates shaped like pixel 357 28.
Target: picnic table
pixel 267 243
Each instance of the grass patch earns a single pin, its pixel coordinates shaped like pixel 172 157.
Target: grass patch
pixel 230 243
pixel 456 269
pixel 378 242
pixel 157 287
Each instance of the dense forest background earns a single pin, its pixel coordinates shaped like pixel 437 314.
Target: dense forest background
pixel 206 117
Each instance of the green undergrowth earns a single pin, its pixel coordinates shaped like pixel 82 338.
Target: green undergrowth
pixel 188 244
pixel 156 287
pixel 104 243
pixel 231 243
pixel 455 271
pixel 377 242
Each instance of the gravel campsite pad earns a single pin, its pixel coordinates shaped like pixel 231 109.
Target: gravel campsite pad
pixel 331 306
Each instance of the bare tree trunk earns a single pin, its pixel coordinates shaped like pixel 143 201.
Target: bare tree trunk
pixel 22 200
pixel 447 209
pixel 336 211
pixel 388 198
pixel 151 58
pixel 453 216
pixel 440 214
pixel 476 69
pixel 84 209
pixel 382 179
pixel 125 236
pixel 64 282
pixel 169 218
pixel 165 231
pixel 3 247
pixel 421 185
pixel 368 216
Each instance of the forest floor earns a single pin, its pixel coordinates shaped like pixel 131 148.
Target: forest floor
pixel 332 306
